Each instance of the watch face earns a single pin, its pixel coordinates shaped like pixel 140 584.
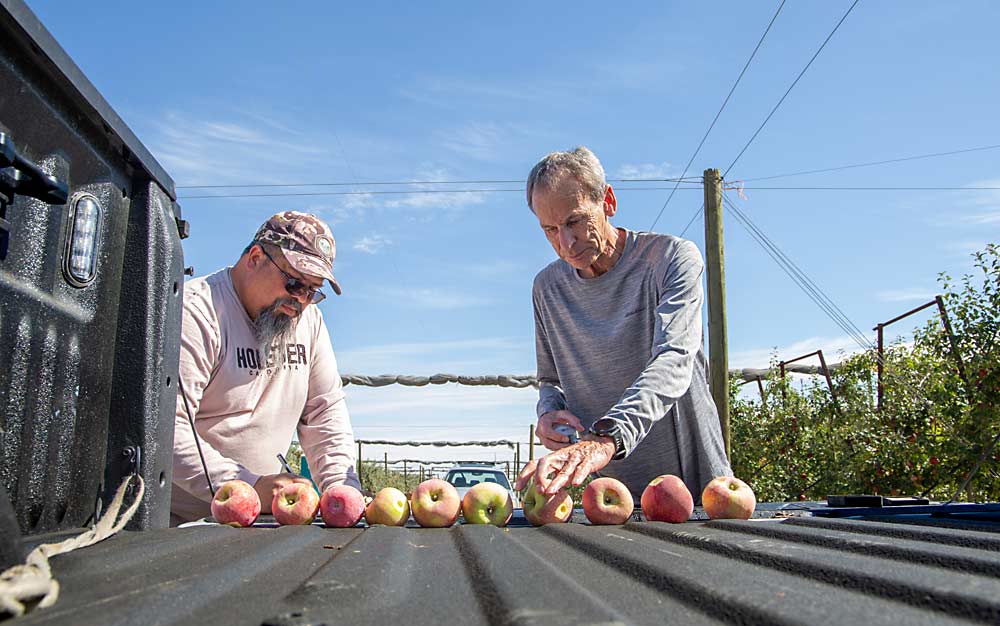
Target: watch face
pixel 604 426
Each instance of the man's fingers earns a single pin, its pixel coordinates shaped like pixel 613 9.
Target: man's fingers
pixel 581 473
pixel 522 478
pixel 572 420
pixel 548 464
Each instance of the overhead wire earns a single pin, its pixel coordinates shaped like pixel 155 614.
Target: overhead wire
pixel 716 119
pixel 397 192
pixel 693 218
pixel 376 183
pixel 872 163
pixel 790 87
pixel 800 278
pixel 816 294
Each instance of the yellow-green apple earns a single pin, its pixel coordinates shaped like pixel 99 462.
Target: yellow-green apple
pixel 236 503
pixel 728 497
pixel 487 503
pixel 341 506
pixel 435 504
pixel 295 504
pixel 540 509
pixel 607 501
pixel 667 499
pixel 389 507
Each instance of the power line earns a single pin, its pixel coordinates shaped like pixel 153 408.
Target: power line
pixel 800 278
pixel 716 119
pixel 698 187
pixel 399 192
pixel 693 218
pixel 689 179
pixel 790 87
pixel 813 291
pixel 834 188
pixel 871 163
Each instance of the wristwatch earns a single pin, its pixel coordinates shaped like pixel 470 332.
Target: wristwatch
pixel 607 427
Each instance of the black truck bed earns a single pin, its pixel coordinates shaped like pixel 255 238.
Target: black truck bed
pixel 797 570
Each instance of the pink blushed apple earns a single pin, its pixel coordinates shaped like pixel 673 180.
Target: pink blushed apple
pixel 607 501
pixel 435 504
pixel 295 504
pixel 728 497
pixel 341 506
pixel 487 503
pixel 540 509
pixel 667 499
pixel 389 507
pixel 236 503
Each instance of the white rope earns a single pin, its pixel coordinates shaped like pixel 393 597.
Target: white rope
pixel 22 584
pixel 439 444
pixel 521 381
pixel 503 380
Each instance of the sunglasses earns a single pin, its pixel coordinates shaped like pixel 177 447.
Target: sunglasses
pixel 296 287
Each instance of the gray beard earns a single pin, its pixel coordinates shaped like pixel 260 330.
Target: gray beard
pixel 273 326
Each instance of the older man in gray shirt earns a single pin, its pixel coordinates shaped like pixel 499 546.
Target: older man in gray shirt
pixel 618 339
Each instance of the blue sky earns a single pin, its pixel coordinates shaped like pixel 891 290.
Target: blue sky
pixel 440 282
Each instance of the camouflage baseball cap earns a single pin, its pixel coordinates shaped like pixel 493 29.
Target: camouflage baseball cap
pixel 305 241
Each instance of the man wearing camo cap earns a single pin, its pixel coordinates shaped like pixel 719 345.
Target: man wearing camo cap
pixel 257 366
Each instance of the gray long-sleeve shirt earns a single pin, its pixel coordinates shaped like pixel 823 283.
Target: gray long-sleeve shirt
pixel 628 345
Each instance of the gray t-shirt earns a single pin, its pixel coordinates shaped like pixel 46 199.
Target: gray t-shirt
pixel 628 345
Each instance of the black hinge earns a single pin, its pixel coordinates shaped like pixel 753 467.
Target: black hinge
pixel 20 176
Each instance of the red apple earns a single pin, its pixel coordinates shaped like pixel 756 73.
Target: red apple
pixel 540 509
pixel 295 504
pixel 487 503
pixel 236 503
pixel 389 508
pixel 667 499
pixel 341 506
pixel 435 504
pixel 728 497
pixel 607 501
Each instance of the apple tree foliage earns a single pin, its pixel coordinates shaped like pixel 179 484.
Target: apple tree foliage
pixel 935 423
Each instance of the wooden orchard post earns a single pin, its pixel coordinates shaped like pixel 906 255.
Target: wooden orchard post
pixel 715 278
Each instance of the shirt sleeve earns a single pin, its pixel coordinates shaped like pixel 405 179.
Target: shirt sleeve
pixel 676 341
pixel 199 358
pixel 550 393
pixel 325 426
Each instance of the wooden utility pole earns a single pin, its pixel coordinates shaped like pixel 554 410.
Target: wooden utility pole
pixel 715 275
pixel 531 442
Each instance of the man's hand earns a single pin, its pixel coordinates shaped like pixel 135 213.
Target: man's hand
pixel 268 485
pixel 550 438
pixel 572 463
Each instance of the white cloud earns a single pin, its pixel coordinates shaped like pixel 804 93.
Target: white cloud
pixel 480 356
pixel 243 149
pixel 483 141
pixel 834 349
pixel 441 413
pixel 906 295
pixel 645 170
pixel 371 244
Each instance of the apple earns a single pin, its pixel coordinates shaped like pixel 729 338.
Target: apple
pixel 540 509
pixel 236 503
pixel 667 499
pixel 487 503
pixel 341 506
pixel 607 501
pixel 728 497
pixel 435 504
pixel 389 507
pixel 295 504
